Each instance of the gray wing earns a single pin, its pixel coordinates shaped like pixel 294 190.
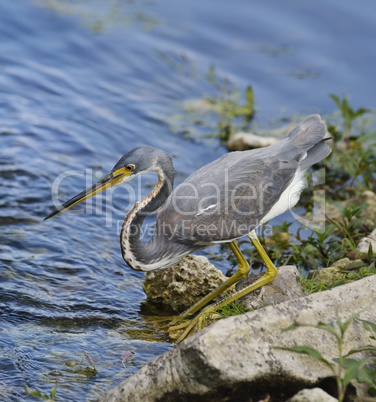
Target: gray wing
pixel 228 198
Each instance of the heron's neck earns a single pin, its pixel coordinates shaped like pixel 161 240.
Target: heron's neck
pixel 136 253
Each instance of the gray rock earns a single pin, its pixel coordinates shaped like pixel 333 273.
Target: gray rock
pixel 365 242
pixel 185 283
pixel 312 395
pixel 243 141
pixel 237 358
pixel 337 271
pixel 285 287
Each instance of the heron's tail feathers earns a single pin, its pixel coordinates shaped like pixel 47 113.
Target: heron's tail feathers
pixel 308 139
pixel 316 154
pixel 308 133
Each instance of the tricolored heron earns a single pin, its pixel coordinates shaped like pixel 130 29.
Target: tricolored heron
pixel 221 202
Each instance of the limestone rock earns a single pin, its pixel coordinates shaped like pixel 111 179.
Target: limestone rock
pixel 281 131
pixel 285 286
pixel 243 141
pixel 365 242
pixel 337 270
pixel 312 395
pixel 369 214
pixel 238 358
pixel 183 284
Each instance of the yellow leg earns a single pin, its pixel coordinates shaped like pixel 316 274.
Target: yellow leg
pixel 270 274
pixel 243 269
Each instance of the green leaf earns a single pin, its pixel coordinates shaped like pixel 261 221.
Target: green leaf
pixel 36 393
pixel 346 109
pixel 352 366
pixel 306 350
pixel 250 96
pixel 336 100
pixel 361 349
pixel 370 327
pixel 357 369
pixel 370 251
pixel 366 376
pixel 324 235
pixel 344 325
pixel 360 112
pixel 329 328
pixel 53 392
pixel 292 327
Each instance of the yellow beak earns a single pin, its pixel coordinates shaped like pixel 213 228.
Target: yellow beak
pixel 104 183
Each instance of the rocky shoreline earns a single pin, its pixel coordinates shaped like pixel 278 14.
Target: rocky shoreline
pixel 238 358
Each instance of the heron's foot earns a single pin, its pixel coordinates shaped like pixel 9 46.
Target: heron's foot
pixel 188 327
pixel 175 331
pixel 178 324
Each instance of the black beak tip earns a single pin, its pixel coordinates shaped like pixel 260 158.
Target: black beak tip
pixel 51 215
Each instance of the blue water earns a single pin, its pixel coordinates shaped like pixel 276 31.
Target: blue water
pixel 83 83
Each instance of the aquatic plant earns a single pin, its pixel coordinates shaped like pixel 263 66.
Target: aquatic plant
pixel 220 113
pixel 92 363
pixel 127 357
pixel 41 395
pixel 232 116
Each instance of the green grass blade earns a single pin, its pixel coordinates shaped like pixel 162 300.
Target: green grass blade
pixel 36 393
pixel 329 328
pixel 315 354
pixel 344 325
pixel 364 348
pixel 53 392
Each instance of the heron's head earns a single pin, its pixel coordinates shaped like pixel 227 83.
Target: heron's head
pixel 138 161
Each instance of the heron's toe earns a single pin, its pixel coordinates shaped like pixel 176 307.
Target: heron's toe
pixel 175 331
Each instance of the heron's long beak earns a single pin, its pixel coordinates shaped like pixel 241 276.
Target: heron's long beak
pixel 104 183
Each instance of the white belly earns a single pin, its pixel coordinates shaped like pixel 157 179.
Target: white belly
pixel 288 198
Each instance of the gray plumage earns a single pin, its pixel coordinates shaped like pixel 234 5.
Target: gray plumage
pixel 221 201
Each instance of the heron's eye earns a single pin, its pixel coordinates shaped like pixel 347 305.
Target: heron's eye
pixel 130 167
